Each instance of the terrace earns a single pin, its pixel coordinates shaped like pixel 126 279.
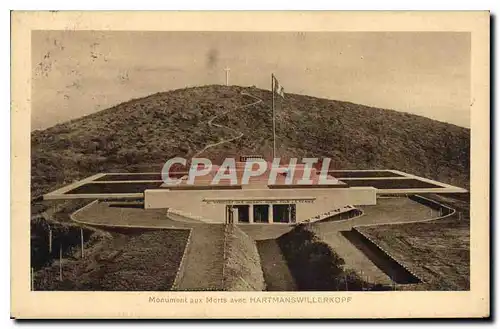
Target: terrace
pixel 133 185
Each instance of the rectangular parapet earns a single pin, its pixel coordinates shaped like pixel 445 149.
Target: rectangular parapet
pixel 299 186
pixel 339 174
pixel 201 187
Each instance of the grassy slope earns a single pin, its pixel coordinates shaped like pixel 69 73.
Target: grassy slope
pixel 128 262
pixel 438 252
pixel 242 270
pixel 141 134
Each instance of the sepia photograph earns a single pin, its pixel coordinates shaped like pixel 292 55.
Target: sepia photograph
pixel 177 161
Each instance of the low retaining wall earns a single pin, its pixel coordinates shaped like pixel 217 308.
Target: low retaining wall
pixel 445 213
pixel 182 264
pixel 350 214
pixel 90 204
pixel 445 210
pixel 242 269
pixel 397 271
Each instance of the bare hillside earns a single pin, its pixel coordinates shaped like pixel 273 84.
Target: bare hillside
pixel 141 134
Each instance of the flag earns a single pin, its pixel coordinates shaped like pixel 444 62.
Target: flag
pixel 282 92
pixel 278 89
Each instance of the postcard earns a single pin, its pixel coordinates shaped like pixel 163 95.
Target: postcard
pixel 250 165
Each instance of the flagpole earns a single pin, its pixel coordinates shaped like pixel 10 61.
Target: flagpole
pixel 274 118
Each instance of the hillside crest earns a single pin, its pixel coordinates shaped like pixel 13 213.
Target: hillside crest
pixel 141 134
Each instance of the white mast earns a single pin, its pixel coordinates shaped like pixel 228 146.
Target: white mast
pixel 227 69
pixel 274 118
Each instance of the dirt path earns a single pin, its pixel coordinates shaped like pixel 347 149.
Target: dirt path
pixel 204 259
pixel 276 272
pixel 238 134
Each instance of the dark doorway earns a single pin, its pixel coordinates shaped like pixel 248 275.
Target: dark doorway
pixel 284 213
pixel 243 216
pixel 261 213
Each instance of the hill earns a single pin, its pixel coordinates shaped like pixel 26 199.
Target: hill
pixel 141 134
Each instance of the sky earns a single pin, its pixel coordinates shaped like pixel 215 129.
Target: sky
pixel 76 73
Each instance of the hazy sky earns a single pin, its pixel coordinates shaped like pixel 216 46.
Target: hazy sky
pixel 79 72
